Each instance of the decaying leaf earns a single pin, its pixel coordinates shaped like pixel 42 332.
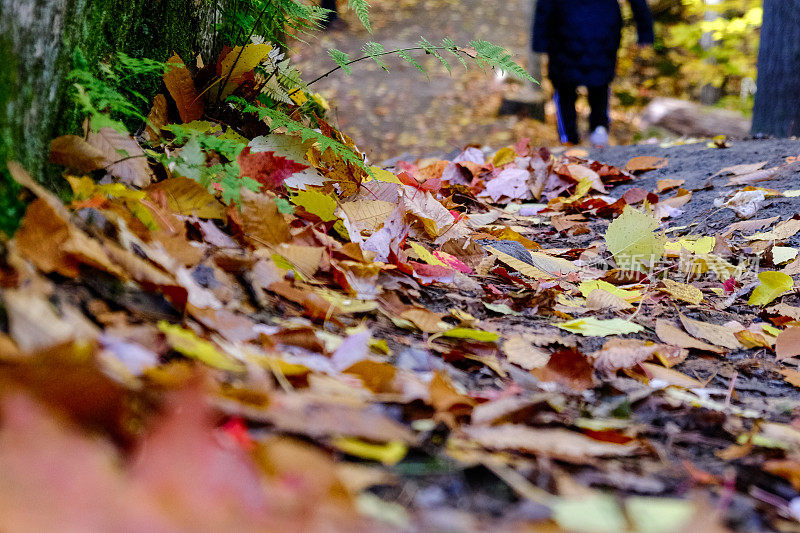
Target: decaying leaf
pixel 713 333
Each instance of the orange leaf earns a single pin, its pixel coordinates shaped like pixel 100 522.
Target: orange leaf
pixel 181 87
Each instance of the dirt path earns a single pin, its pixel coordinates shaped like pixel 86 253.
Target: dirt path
pixel 389 114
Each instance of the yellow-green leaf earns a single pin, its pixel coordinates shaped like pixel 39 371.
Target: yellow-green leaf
pixel 185 342
pixel 316 203
pixel 473 334
pixel 389 454
pixel 595 327
pixel 586 287
pixel 773 284
pixel 634 240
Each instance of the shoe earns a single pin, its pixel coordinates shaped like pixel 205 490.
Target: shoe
pixel 599 136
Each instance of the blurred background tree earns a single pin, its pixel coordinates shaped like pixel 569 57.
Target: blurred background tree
pixel 700 44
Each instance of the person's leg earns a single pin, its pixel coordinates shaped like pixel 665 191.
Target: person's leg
pixel 333 15
pixel 598 102
pixel 566 116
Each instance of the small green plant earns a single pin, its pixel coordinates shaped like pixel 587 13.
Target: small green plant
pixel 111 96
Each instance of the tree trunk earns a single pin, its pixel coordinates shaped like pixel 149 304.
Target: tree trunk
pixel 777 106
pixel 38 37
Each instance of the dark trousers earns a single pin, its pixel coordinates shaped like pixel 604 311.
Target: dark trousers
pixel 330 4
pixel 567 117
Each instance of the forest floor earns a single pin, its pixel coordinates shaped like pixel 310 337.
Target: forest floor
pixel 504 338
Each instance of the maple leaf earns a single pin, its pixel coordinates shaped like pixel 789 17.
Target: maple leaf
pixel 268 169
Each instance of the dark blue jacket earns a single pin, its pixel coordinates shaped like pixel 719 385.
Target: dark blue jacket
pixel 581 37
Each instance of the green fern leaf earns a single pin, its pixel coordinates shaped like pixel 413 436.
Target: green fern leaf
pixel 448 43
pixel 361 7
pixel 342 59
pixel 375 51
pixel 406 56
pixel 429 48
pixel 497 57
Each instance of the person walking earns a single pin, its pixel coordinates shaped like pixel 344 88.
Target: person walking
pixel 581 39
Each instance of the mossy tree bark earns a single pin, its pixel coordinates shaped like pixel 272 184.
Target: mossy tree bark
pixel 38 37
pixel 777 106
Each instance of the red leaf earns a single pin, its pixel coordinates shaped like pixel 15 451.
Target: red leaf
pixel 267 168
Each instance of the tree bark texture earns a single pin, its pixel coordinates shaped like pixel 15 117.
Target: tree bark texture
pixel 777 105
pixel 37 40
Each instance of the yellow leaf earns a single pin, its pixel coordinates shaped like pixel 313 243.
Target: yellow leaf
pixel 185 342
pixel 381 174
pixel 389 454
pixel 682 291
pixel 703 245
pixel 425 255
pixel 773 284
pixel 241 61
pixel 187 197
pixel 316 203
pixel 586 288
pixel 520 266
pixel 633 241
pixel 504 156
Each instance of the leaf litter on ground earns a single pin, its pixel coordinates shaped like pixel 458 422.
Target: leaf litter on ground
pixel 317 350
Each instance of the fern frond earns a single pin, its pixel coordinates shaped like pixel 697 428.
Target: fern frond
pixel 361 8
pixel 278 119
pixel 374 51
pixel 497 57
pixel 406 56
pixel 448 43
pixel 342 59
pixel 429 48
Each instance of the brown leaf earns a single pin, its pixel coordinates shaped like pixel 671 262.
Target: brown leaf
pixel 668 184
pixel 556 443
pixel 670 334
pixel 181 87
pixel 788 343
pixel 617 354
pixel 262 223
pixel 187 197
pixel 124 158
pixel 644 163
pixel 713 333
pixel 156 119
pixel 55 245
pixel 72 151
pixel 568 367
pixel 521 350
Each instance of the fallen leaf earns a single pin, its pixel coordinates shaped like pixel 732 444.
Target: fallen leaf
pixel 595 327
pixel 187 197
pixel 181 87
pixel 788 343
pixel 632 239
pixel 671 335
pixel 773 285
pixel 238 62
pixel 668 184
pixel 682 291
pixel 124 158
pixel 713 333
pixel 569 368
pixel 74 152
pixel 185 342
pixel 522 351
pixel 644 163
pixel 267 168
pixel 782 231
pixel 556 443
